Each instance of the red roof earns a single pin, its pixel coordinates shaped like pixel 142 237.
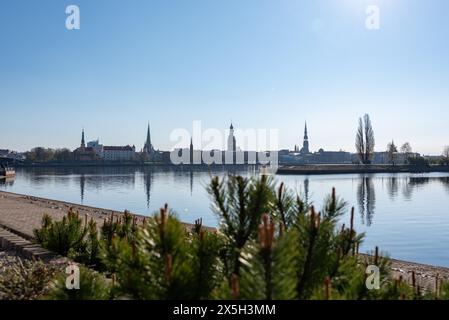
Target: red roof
pixel 117 148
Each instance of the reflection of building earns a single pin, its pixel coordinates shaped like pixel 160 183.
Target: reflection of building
pixel 82 186
pixel 148 180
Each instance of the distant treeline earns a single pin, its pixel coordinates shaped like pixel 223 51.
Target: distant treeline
pixel 40 154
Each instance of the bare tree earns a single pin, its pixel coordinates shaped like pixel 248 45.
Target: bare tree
pixel 364 141
pixel 392 150
pixel 446 155
pixel 406 149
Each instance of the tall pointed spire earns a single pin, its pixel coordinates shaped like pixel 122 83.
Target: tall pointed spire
pixel 305 143
pixel 148 135
pixel 148 147
pixel 83 143
pixel 305 131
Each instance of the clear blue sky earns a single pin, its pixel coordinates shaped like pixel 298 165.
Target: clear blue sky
pixel 262 63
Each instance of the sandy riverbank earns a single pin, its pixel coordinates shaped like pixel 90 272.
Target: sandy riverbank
pixel 21 214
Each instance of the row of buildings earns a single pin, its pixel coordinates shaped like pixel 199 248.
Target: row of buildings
pixel 305 156
pixel 95 151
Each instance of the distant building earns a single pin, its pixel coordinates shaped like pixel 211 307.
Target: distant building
pixel 305 144
pixel 97 147
pixel 148 147
pixel 84 153
pixel 119 153
pixel 96 151
pixel 231 140
pixel 399 158
pixel 331 157
pixel 11 155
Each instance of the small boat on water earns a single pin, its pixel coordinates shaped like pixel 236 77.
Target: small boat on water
pixel 6 172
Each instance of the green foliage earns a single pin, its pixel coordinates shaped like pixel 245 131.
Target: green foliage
pixel 268 266
pixel 71 237
pixel 239 203
pixel 166 261
pixel 40 154
pixel 65 237
pixel 25 280
pixel 93 286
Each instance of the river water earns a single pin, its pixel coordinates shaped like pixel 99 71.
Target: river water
pixel 406 215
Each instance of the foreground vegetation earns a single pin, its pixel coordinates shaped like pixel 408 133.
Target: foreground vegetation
pixel 269 245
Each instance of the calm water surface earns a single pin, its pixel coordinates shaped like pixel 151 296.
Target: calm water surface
pixel 406 215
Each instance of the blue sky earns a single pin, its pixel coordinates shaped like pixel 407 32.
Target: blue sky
pixel 268 64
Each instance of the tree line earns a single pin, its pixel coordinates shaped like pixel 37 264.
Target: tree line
pixel 40 154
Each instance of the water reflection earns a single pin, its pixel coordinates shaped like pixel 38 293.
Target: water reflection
pixel 148 181
pixel 366 197
pixel 306 192
pixel 7 182
pixel 420 182
pixel 120 182
pixel 392 187
pixel 82 184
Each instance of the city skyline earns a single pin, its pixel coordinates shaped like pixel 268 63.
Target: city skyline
pixel 263 64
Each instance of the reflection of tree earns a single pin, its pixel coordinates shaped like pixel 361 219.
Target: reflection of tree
pixel 407 190
pixel 392 187
pixel 445 182
pixel 366 197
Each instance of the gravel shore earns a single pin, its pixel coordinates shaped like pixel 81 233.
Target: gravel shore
pixel 8 259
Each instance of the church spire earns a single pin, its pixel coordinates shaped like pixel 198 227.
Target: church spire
pixel 148 147
pixel 83 143
pixel 148 135
pixel 305 131
pixel 305 144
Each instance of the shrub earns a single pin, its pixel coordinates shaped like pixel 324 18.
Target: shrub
pixel 66 237
pixel 93 286
pixel 25 280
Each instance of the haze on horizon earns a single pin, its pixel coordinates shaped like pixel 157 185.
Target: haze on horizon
pixel 264 64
